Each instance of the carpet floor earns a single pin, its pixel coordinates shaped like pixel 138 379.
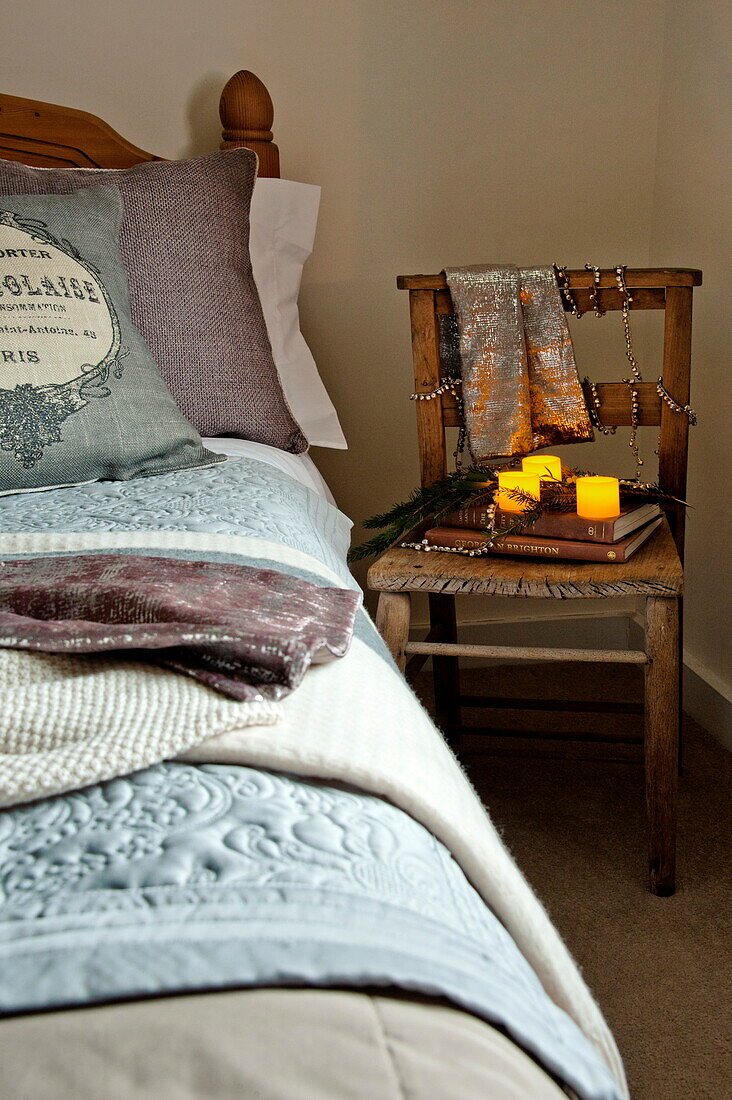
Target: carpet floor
pixel 661 968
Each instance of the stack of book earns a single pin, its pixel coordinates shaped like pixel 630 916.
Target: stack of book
pixel 560 535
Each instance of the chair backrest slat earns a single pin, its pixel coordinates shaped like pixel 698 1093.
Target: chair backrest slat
pixel 615 404
pixel 670 289
pixel 610 300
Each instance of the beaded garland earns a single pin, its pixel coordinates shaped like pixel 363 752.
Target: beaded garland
pixel 631 382
pixel 426 547
pixel 673 405
pixel 448 386
pixel 475 553
pixel 451 385
pixel 595 291
pixel 563 284
pixel 594 410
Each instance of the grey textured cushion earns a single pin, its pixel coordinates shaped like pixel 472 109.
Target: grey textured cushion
pixel 80 396
pixel 185 244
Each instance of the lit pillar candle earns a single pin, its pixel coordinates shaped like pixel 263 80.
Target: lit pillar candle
pixel 516 479
pixel 598 497
pixel 548 467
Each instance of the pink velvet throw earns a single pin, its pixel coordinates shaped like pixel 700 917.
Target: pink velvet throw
pixel 249 633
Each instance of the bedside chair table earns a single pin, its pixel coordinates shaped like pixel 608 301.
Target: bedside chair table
pixel 654 573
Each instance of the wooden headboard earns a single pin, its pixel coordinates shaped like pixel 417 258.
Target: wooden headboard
pixel 49 136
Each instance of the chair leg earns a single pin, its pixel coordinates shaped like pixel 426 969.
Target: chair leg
pixel 392 622
pixel 445 670
pixel 661 740
pixel 680 765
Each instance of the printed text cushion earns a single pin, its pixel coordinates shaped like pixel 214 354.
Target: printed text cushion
pixel 185 245
pixel 80 395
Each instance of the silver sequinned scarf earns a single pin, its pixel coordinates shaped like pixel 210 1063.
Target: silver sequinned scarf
pixel 520 385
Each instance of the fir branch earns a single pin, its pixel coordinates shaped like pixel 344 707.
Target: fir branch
pixel 377 545
pixel 649 491
pixel 531 510
pixel 427 500
pixel 457 490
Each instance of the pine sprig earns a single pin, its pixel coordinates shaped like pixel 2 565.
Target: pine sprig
pixel 457 490
pixel 424 501
pixel 375 546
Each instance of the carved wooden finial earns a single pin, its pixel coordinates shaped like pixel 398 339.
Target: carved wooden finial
pixel 246 115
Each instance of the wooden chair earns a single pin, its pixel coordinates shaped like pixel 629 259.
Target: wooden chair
pixel 654 572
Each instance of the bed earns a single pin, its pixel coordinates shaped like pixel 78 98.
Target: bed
pixel 310 904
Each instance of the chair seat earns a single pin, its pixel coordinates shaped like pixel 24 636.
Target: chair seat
pixel 654 570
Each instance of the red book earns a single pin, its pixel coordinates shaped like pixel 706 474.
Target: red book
pixel 457 538
pixel 559 525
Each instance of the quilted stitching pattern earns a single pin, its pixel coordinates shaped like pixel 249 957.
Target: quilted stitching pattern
pixel 274 860
pixel 238 497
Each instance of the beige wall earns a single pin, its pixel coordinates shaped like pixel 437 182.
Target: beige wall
pixel 691 225
pixel 442 133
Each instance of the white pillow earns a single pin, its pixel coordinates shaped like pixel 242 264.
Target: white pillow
pixel 283 217
pixel 301 467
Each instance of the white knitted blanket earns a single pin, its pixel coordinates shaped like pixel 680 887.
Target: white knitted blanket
pixel 357 721
pixel 66 722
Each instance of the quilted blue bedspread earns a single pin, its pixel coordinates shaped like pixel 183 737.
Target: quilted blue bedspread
pixel 238 497
pixel 183 877
pixel 189 877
